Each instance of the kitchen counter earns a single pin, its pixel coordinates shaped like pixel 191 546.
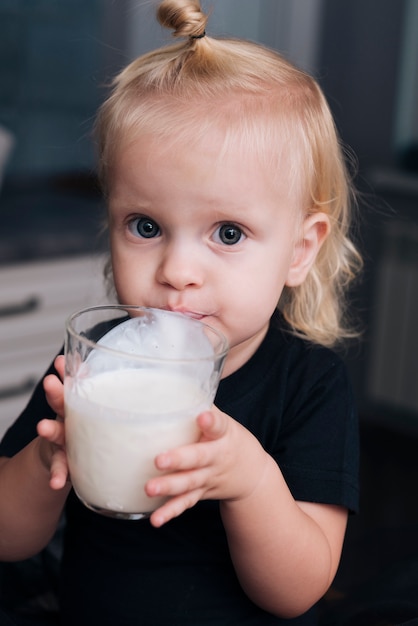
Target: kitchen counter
pixel 50 217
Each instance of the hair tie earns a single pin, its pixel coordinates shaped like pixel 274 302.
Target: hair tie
pixel 198 36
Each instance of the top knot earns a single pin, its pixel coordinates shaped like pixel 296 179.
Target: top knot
pixel 184 17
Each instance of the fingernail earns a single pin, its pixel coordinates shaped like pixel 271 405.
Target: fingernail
pixel 163 461
pixel 157 520
pixel 155 489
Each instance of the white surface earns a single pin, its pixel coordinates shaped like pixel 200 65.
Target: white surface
pixel 30 340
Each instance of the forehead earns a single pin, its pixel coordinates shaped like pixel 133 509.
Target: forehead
pixel 153 172
pixel 258 129
pixel 244 118
pixel 195 185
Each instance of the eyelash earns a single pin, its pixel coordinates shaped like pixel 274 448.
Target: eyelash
pixel 147 228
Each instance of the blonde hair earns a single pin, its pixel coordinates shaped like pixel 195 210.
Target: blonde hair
pixel 255 96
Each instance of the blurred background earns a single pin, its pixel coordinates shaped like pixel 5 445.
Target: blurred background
pixel 56 59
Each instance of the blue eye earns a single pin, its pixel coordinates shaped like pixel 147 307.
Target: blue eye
pixel 144 227
pixel 229 234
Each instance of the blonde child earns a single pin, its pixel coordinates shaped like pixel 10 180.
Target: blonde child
pixel 228 201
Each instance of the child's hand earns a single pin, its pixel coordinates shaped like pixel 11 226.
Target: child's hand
pixel 226 464
pixel 52 431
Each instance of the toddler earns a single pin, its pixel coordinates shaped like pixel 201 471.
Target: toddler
pixel 228 201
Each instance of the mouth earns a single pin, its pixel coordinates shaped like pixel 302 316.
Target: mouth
pixel 196 315
pixel 192 314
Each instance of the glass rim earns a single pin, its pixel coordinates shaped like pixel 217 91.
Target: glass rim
pixel 219 353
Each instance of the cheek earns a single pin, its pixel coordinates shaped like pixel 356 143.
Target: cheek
pixel 256 289
pixel 134 278
pixel 123 276
pixel 274 268
pixel 120 288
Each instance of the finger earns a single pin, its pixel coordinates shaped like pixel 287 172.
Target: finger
pixel 175 507
pixel 178 483
pixel 52 430
pixel 213 424
pixel 54 391
pixel 192 456
pixel 59 365
pixel 59 470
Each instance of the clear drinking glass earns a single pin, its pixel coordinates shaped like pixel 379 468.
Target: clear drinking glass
pixel 135 380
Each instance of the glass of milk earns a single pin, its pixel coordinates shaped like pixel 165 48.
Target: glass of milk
pixel 135 381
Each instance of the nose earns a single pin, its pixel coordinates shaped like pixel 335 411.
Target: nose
pixel 181 266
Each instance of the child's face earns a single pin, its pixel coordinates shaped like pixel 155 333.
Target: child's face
pixel 206 236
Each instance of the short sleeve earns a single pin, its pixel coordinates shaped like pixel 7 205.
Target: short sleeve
pixel 318 448
pixel 296 398
pixel 23 430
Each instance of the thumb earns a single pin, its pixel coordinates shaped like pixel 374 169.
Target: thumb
pixel 213 424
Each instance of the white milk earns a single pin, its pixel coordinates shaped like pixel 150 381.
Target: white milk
pixel 116 423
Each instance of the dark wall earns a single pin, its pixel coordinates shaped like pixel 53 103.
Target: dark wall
pixel 359 72
pixel 54 59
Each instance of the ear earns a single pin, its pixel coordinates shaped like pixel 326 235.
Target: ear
pixel 315 229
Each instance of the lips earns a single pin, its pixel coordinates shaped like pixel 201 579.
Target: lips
pixel 193 314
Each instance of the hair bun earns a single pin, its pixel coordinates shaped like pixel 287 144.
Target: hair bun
pixel 184 17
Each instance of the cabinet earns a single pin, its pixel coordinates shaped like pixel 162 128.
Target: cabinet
pixel 35 300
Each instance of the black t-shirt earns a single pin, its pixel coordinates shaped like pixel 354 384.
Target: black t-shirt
pixel 296 399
